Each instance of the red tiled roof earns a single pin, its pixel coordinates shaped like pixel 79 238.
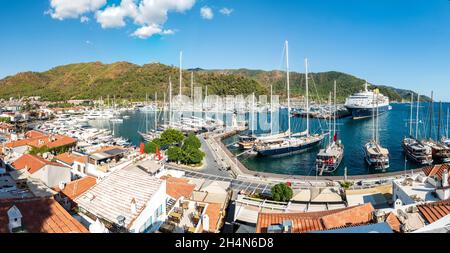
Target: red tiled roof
pixel 41 216
pixel 436 170
pixel 178 187
pixel 52 141
pixel 78 187
pixel 393 222
pixel 314 221
pixel 82 159
pixel 32 163
pixel 107 148
pixel 213 211
pixel 67 157
pixel 33 134
pixel 18 143
pixel 434 211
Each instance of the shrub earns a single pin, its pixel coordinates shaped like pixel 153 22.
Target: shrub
pixel 150 148
pixel 282 193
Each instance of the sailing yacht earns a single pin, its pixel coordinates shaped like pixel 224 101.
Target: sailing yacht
pixel 329 158
pixel 376 156
pixel 446 139
pixel 440 152
pixel 150 135
pixel 293 143
pixel 416 151
pixel 248 141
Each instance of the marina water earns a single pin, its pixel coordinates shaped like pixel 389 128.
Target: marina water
pixel 393 125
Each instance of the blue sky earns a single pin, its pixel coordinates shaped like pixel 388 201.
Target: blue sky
pixel 405 44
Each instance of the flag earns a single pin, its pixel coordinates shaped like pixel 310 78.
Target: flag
pixel 158 153
pixel 142 148
pixel 335 137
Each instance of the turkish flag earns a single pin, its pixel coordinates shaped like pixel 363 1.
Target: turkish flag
pixel 158 153
pixel 142 148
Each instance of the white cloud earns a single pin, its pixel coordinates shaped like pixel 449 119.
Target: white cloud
pixel 84 19
pixel 149 15
pixel 150 30
pixel 88 42
pixel 206 13
pixel 63 9
pixel 226 11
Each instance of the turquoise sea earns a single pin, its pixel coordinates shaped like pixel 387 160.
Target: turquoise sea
pixel 393 126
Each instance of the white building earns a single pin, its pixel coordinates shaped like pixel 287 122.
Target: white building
pixel 429 186
pixel 129 199
pixel 52 174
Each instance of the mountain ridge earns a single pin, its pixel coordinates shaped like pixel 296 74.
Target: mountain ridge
pixel 92 80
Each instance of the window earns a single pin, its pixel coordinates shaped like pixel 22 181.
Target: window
pixel 159 211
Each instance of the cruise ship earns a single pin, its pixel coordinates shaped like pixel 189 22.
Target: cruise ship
pixel 364 103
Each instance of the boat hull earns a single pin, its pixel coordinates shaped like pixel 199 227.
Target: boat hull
pixel 362 113
pixel 289 150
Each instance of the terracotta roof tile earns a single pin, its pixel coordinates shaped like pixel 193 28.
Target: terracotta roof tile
pixel 214 214
pixel 393 222
pixel 178 187
pixel 33 163
pixel 314 221
pixel 77 187
pixel 434 211
pixel 436 170
pixel 41 216
pixel 67 157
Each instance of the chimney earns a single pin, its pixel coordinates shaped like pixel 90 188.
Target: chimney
pixel 62 185
pixel 15 219
pixel 445 178
pixel 133 206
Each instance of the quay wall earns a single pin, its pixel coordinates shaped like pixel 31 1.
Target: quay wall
pixel 242 172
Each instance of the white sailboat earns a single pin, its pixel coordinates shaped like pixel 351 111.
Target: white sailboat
pixel 416 151
pixel 292 143
pixel 376 156
pixel 329 158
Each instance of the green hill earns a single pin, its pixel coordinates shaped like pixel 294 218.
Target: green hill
pixel 125 80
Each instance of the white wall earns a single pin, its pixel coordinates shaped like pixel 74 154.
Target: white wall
pixel 52 175
pixel 158 199
pixel 398 193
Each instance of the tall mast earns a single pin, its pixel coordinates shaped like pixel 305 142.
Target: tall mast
pixel 170 101
pixel 164 108
pixel 192 85
pixel 288 89
pixel 417 116
pixel 377 136
pixel 271 109
pixel 439 122
pixel 373 117
pixel 447 122
pixel 335 109
pixel 411 115
pixel 329 120
pixel 431 117
pixel 307 98
pixel 156 110
pixel 181 72
pixel 253 114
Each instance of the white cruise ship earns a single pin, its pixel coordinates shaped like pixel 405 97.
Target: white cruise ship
pixel 364 103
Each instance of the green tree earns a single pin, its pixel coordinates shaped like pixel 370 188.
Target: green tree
pixel 282 193
pixel 175 154
pixel 193 156
pixel 150 148
pixel 172 137
pixel 192 142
